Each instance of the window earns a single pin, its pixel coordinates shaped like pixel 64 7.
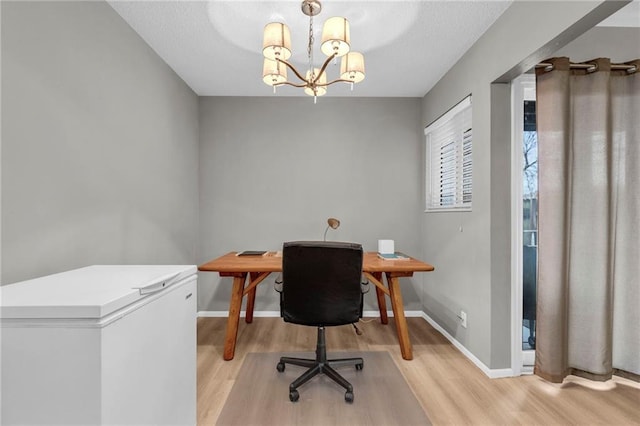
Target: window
pixel 449 162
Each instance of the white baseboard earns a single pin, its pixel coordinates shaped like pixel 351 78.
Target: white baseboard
pixel 494 373
pixel 275 314
pixel 527 370
pixel 224 314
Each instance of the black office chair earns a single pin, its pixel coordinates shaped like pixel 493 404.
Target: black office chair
pixel 321 288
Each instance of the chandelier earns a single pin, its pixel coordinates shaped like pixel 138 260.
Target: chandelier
pixel 336 40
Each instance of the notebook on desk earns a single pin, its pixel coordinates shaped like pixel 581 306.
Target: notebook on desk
pixel 393 256
pixel 252 253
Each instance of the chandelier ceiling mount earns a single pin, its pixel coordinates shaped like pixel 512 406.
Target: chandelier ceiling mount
pixel 311 7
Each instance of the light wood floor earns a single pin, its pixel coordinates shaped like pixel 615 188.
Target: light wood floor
pixel 450 388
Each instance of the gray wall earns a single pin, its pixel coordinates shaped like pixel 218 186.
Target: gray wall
pixel 473 265
pixel 619 44
pixel 274 169
pixel 99 144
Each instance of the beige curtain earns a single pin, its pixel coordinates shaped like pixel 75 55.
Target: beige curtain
pixel 588 307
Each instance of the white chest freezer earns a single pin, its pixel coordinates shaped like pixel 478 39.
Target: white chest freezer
pixel 101 345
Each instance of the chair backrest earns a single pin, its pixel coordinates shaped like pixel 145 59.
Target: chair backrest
pixel 321 282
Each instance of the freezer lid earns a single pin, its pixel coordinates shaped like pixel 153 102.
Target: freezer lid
pixel 90 292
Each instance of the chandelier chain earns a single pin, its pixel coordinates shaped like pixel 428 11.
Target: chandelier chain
pixel 311 40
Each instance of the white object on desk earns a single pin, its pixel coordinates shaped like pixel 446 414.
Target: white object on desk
pixel 386 246
pixel 100 345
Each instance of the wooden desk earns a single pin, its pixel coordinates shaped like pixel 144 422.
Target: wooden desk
pixel 259 267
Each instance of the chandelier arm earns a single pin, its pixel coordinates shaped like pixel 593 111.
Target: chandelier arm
pixel 337 80
pixel 292 68
pixel 291 84
pixel 324 67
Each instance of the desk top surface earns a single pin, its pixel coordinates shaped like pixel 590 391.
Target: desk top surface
pixel 272 262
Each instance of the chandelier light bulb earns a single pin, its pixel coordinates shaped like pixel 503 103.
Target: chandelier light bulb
pixel 276 42
pixel 273 72
pixel 336 37
pixel 352 67
pixel 312 88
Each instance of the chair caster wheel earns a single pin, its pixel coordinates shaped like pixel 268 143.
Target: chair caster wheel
pixel 280 367
pixel 348 396
pixel 294 395
pixel 359 366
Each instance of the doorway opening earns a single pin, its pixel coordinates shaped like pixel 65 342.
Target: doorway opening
pixel 524 220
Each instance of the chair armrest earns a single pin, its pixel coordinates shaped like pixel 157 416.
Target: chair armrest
pixel 277 285
pixel 364 284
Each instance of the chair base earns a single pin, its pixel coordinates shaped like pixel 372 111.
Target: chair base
pixel 320 365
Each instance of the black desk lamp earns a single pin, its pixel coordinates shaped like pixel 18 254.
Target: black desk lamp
pixel 332 223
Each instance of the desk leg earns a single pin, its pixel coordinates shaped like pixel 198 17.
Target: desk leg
pixel 251 299
pixel 382 303
pixel 234 316
pixel 398 314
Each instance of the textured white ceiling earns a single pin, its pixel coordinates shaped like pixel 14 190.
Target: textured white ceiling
pixel 215 46
pixel 628 16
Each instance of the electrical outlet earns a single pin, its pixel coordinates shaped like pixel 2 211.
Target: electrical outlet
pixel 463 319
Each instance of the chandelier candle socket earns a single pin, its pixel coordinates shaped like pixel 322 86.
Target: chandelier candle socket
pixel 336 42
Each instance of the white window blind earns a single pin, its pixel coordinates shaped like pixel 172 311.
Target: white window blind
pixel 449 162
